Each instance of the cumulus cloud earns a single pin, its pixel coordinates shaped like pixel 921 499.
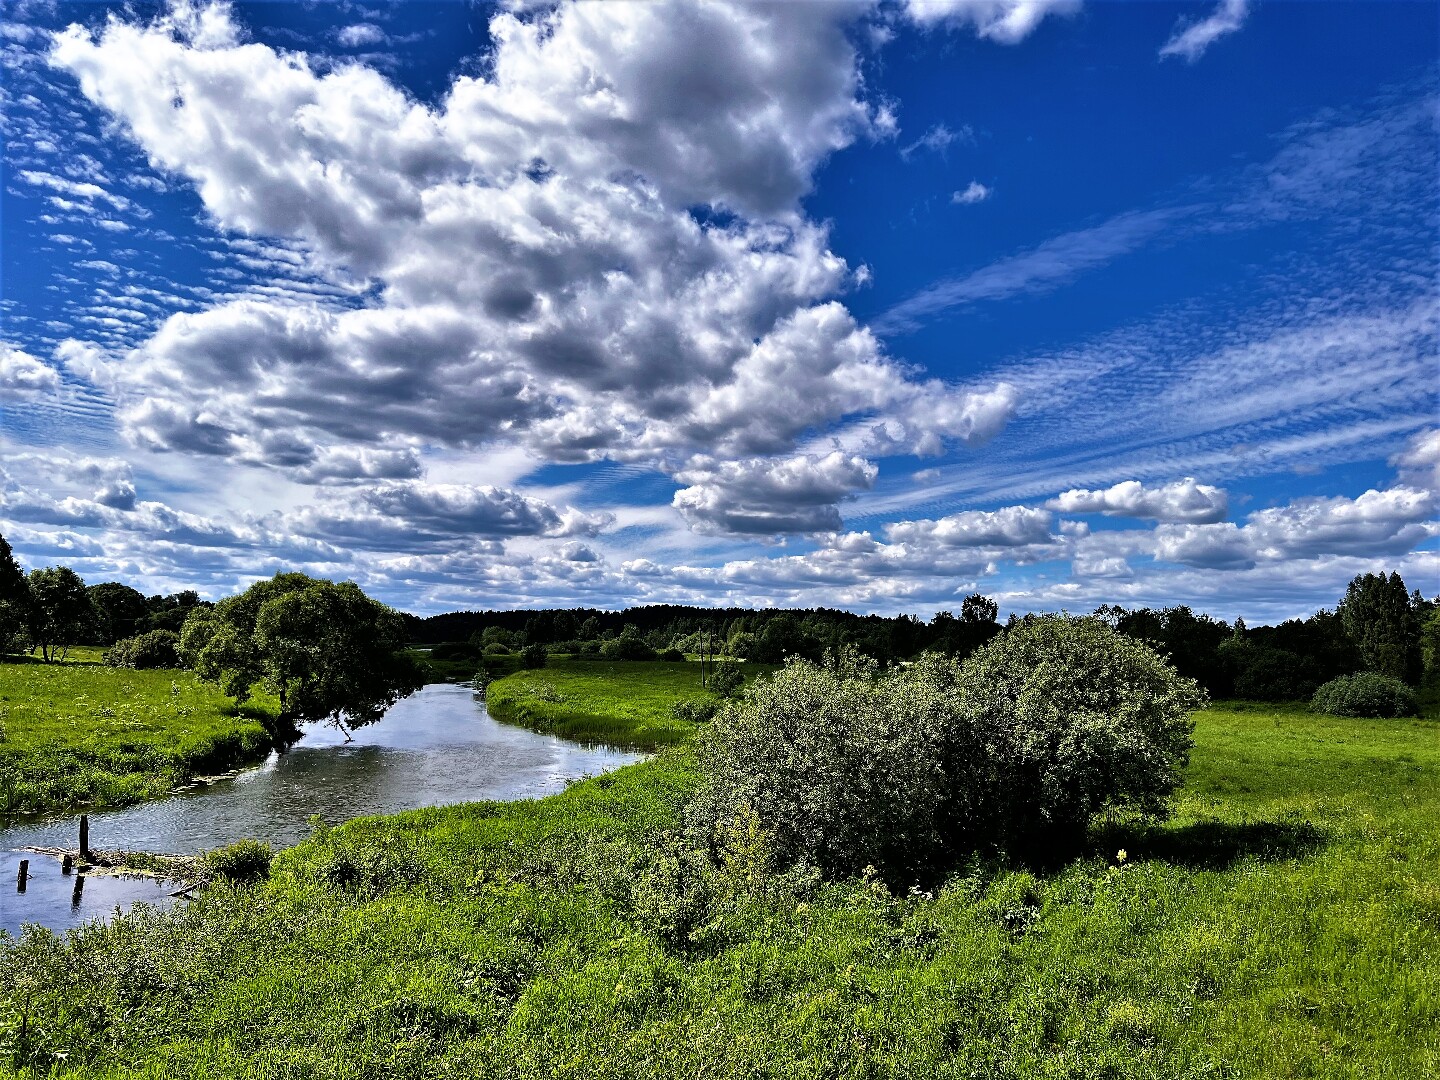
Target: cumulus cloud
pixel 540 276
pixel 767 496
pixel 23 377
pixel 1191 39
pixel 1375 524
pixel 1011 526
pixel 359 35
pixel 1184 500
pixel 976 192
pixel 1005 21
pixel 1419 462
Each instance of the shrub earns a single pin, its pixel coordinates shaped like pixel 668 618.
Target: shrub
pixel 626 648
pixel 496 649
pixel 727 679
pixel 157 649
pixel 1366 693
pixel 1021 744
pixel 242 862
pixel 695 710
pixel 534 656
pixel 1061 718
pixel 674 656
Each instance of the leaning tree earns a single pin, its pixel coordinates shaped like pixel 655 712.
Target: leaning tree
pixel 325 649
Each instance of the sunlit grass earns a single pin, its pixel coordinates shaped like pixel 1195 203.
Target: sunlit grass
pixel 82 734
pixel 1284 923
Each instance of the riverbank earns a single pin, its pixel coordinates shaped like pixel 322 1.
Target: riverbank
pixel 1284 922
pixel 79 735
pixel 623 703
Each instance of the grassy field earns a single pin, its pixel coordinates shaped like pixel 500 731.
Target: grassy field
pixel 1284 923
pixel 623 703
pixel 81 734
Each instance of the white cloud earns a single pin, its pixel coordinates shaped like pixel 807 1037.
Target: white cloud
pixel 23 377
pixel 939 139
pixel 1419 462
pixel 768 496
pixel 1191 39
pixel 541 277
pixel 1005 21
pixel 1183 500
pixel 976 192
pixel 360 35
pixel 1011 526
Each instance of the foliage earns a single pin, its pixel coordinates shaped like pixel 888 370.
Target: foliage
pixel 59 611
pixel 326 650
pixel 119 611
pixel 495 648
pixel 1280 924
pixel 695 710
pixel 1025 741
pixel 628 646
pixel 156 649
pixel 1381 619
pixel 14 600
pixel 87 735
pixel 534 656
pixel 726 679
pixel 628 704
pixel 1366 693
pixel 671 656
pixel 243 862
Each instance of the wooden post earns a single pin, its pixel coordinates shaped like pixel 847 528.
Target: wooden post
pixel 67 863
pixel 20 877
pixel 84 837
pixel 79 888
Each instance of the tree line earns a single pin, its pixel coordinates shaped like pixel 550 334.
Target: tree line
pixel 1378 625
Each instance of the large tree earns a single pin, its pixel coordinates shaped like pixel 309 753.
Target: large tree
pixel 60 613
pixel 14 599
pixel 326 650
pixel 118 609
pixel 1380 617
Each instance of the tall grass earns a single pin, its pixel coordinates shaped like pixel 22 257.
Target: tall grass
pixel 1284 923
pixel 81 734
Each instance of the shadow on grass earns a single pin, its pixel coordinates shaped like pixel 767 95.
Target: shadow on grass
pixel 1211 845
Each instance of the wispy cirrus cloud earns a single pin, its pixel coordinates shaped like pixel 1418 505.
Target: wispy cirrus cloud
pixel 1191 39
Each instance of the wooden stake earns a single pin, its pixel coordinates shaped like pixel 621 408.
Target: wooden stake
pixel 84 837
pixel 24 873
pixel 67 863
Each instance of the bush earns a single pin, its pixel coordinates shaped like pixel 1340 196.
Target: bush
pixel 1366 693
pixel 455 650
pixel 674 656
pixel 695 710
pixel 534 656
pixel 1019 745
pixel 242 862
pixel 626 648
pixel 496 649
pixel 727 679
pixel 157 649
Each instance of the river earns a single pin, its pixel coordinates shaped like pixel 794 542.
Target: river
pixel 437 747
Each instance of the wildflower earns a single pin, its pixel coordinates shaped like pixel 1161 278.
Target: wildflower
pixel 1121 855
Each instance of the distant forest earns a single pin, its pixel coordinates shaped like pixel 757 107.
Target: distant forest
pixel 1378 625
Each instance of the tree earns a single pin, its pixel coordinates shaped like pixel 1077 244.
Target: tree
pixel 60 611
pixel 14 599
pixel 1378 614
pixel 326 650
pixel 119 611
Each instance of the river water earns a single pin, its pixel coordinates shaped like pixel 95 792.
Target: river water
pixel 437 747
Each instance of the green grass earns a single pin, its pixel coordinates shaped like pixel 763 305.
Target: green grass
pixel 624 703
pixel 81 734
pixel 1284 923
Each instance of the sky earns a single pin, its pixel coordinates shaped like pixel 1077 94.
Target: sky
pixel 851 305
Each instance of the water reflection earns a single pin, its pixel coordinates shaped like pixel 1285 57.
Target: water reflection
pixel 435 748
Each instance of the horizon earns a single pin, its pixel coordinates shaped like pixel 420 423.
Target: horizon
pixel 624 305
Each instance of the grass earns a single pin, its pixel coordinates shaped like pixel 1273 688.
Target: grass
pixel 80 734
pixel 624 703
pixel 1284 923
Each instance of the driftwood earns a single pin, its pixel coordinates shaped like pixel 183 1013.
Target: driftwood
pixel 132 863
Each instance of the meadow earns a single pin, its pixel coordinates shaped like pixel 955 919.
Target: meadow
pixel 1284 922
pixel 79 734
pixel 625 703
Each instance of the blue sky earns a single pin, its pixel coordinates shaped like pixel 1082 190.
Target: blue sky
pixel 852 305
